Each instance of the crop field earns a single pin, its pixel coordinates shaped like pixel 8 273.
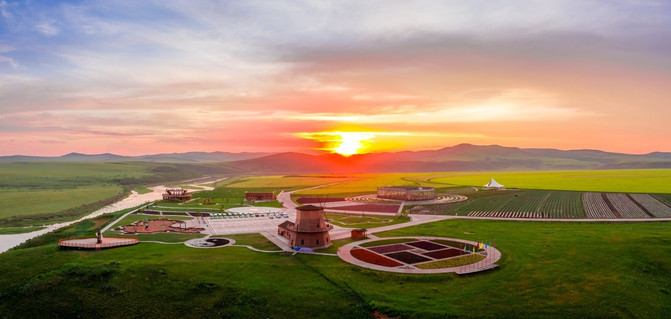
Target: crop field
pixel 555 204
pixel 549 269
pixel 368 183
pixel 533 203
pixel 625 181
pixel 287 182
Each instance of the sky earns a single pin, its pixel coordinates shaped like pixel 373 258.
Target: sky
pixel 145 77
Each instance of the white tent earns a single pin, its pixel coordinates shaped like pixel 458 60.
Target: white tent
pixel 493 184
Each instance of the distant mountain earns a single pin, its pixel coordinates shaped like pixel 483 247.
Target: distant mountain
pixel 190 157
pixel 462 157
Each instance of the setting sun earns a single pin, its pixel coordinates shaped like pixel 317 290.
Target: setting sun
pixel 351 143
pixel 343 143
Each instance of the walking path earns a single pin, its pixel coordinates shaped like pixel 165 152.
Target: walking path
pixel 281 242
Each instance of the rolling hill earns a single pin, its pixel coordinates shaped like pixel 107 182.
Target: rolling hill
pixel 462 157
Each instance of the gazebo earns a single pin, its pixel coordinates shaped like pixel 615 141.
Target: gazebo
pixel 493 184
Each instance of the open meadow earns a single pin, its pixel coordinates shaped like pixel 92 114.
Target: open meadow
pixel 547 270
pixel 39 193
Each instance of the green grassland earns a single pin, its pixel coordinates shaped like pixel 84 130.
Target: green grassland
pixel 368 183
pixel 361 221
pixel 19 230
pixel 45 201
pixel 630 181
pixel 255 240
pixel 286 182
pixel 547 270
pixel 38 193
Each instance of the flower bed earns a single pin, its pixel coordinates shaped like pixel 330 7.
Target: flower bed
pixel 373 258
pixel 390 248
pixel 444 253
pixel 426 245
pixel 408 257
pixel 452 262
pixel 387 242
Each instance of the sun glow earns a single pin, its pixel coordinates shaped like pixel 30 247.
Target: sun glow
pixel 352 143
pixel 343 143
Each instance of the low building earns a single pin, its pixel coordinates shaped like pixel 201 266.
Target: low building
pixel 309 230
pixel 406 192
pixel 176 194
pixel 251 196
pixel 359 233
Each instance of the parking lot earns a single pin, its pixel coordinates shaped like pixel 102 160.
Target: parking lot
pixel 242 220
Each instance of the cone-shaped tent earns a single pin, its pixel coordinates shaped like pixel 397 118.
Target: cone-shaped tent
pixel 493 184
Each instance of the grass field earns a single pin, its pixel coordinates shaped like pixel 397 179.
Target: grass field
pixel 19 230
pixel 547 270
pixel 368 183
pixel 38 193
pixel 359 221
pixel 287 182
pixel 46 201
pixel 255 240
pixel 631 181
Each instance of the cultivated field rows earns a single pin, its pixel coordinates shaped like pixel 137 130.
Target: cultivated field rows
pixel 566 204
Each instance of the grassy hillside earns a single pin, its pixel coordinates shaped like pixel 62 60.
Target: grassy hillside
pixel 547 270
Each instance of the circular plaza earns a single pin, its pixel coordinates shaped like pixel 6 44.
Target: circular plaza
pixel 421 255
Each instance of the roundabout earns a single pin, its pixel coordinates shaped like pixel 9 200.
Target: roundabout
pixel 421 255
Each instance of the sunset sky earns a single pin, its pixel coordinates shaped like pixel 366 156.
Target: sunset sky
pixel 144 77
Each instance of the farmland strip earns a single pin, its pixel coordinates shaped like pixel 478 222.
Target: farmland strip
pixel 645 210
pixel 610 205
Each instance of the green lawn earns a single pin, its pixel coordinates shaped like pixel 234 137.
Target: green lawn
pixel 363 221
pixel 19 230
pixel 255 240
pixel 547 270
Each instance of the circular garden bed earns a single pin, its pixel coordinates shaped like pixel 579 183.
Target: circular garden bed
pixel 209 242
pixel 420 255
